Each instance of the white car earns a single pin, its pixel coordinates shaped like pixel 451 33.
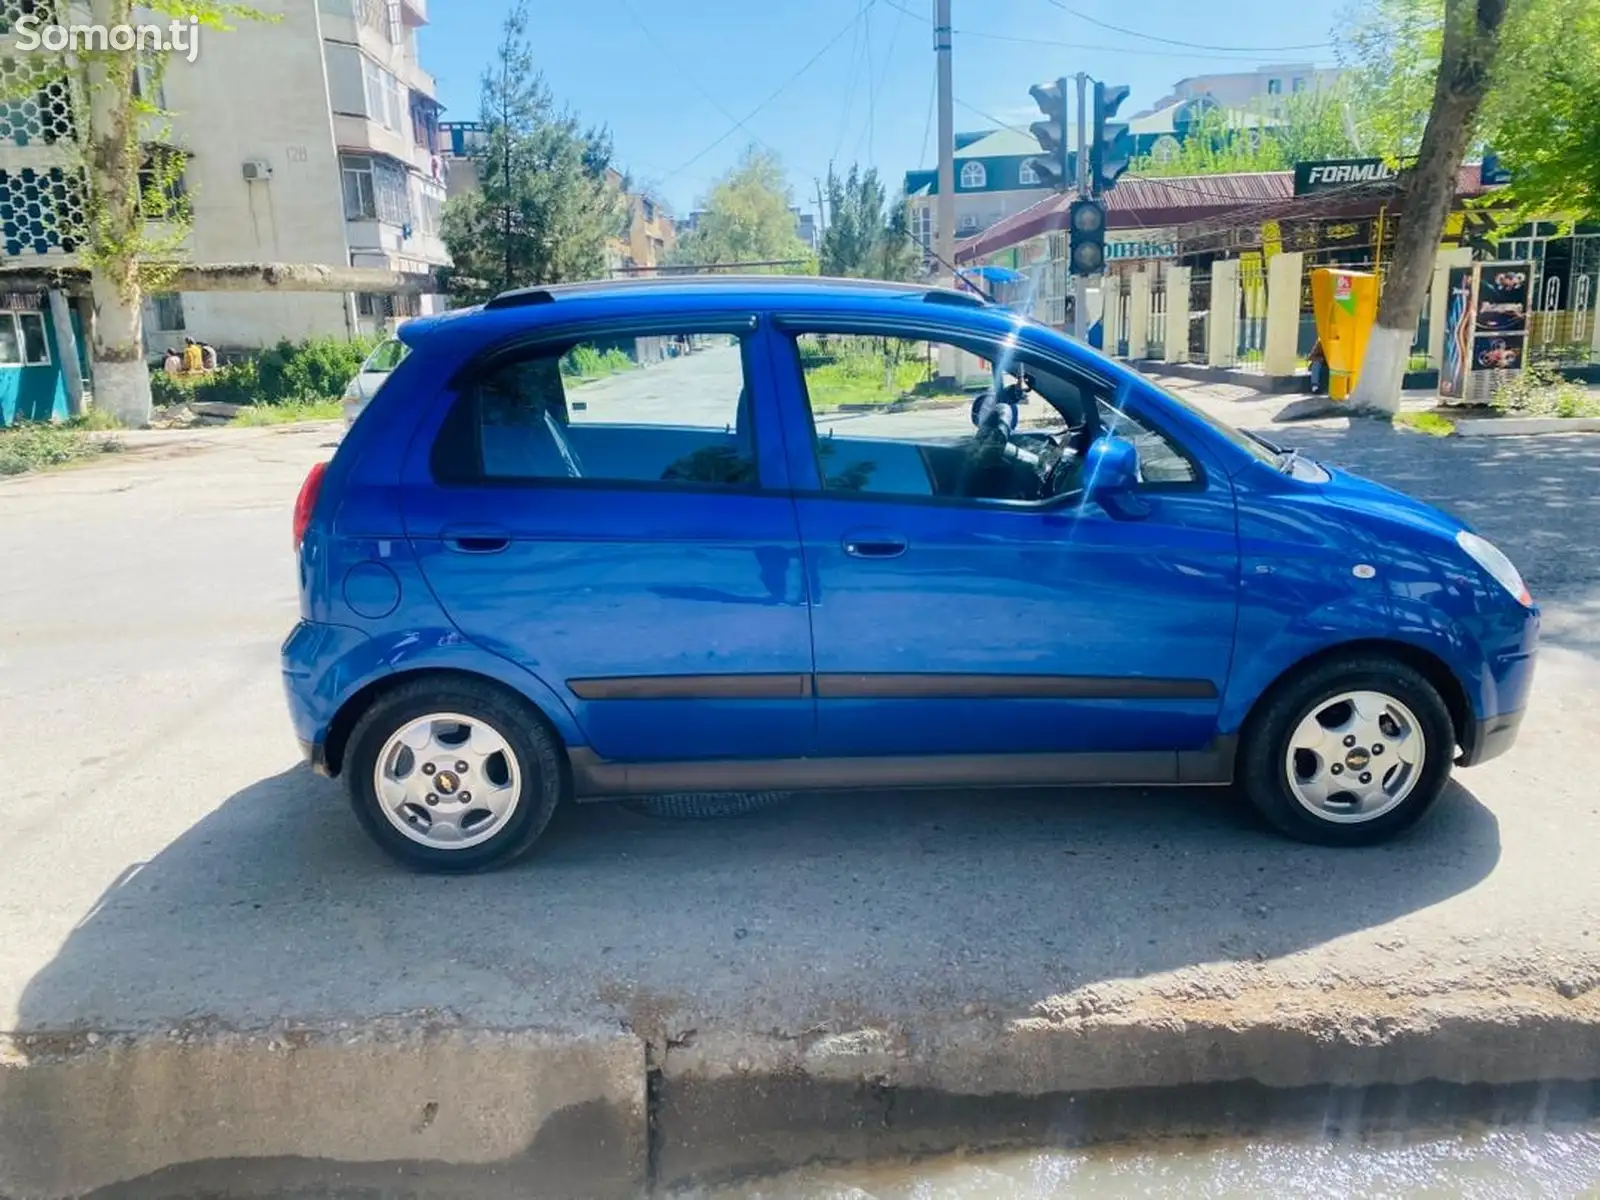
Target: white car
pixel 383 359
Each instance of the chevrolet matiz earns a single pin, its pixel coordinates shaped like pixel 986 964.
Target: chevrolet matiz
pixel 725 535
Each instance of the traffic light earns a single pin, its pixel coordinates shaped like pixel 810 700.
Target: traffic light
pixel 1054 168
pixel 1086 251
pixel 1112 147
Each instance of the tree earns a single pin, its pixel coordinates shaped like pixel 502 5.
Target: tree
pixel 1543 119
pixel 1307 126
pixel 1470 41
pixel 134 216
pixel 1390 50
pixel 746 219
pixel 544 209
pixel 862 239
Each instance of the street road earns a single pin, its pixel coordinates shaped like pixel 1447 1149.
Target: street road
pixel 166 857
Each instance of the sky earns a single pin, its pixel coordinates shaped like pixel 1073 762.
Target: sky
pixel 686 85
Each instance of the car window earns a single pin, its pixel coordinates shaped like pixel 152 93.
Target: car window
pixel 664 409
pixel 914 417
pixel 386 357
pixel 1160 459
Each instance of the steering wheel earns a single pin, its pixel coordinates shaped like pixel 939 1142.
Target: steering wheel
pixel 1058 480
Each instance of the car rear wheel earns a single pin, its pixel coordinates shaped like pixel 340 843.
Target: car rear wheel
pixel 1349 753
pixel 453 776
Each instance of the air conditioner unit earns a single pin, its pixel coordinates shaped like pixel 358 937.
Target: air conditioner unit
pixel 257 170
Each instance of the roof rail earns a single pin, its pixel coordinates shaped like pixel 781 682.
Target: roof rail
pixel 548 294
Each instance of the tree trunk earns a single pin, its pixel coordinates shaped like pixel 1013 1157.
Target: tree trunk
pixel 121 379
pixel 1471 38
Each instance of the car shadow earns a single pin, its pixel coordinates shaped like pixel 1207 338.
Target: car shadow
pixel 276 906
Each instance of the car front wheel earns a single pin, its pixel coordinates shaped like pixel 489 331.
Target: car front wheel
pixel 453 776
pixel 1350 753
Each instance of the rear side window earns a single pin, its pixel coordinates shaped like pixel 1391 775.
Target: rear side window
pixel 665 410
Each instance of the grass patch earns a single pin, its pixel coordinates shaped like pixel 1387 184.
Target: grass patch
pixel 869 372
pixel 1430 423
pixel 37 446
pixel 289 414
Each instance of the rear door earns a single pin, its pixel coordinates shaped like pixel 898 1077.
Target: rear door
pixel 610 511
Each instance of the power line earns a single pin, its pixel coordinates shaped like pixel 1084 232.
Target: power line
pixel 849 92
pixel 781 88
pixel 694 80
pixel 883 77
pixel 1150 37
pixel 1239 56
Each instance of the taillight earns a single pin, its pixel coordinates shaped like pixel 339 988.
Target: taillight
pixel 306 502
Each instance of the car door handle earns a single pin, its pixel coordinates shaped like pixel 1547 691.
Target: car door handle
pixel 874 544
pixel 477 539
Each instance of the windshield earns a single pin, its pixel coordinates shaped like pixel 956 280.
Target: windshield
pixel 1250 443
pixel 385 358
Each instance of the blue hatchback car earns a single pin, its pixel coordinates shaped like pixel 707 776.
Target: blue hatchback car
pixel 718 535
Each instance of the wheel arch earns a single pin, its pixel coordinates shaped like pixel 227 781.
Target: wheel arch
pixel 1427 664
pixel 360 701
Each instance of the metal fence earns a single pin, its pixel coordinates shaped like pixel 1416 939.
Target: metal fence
pixel 1199 316
pixel 1156 330
pixel 1562 298
pixel 1252 346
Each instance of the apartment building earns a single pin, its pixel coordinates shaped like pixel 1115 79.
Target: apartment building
pixel 311 138
pixel 1261 90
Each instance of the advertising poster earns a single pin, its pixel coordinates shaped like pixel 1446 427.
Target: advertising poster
pixel 1457 334
pixel 1500 316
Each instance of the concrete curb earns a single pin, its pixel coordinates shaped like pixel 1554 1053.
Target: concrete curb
pixel 1523 426
pixel 610 1114
pixel 86 1111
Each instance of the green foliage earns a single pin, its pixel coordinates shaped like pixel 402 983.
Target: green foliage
pixel 746 218
pixel 33 445
pixel 290 373
pixel 865 371
pixel 1543 116
pixel 1540 392
pixel 863 240
pixel 584 362
pixel 1310 125
pixel 1390 50
pixel 544 209
pixel 318 369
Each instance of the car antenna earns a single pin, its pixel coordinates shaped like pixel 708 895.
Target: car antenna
pixel 954 270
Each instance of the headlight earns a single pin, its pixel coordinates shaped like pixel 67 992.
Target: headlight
pixel 1487 555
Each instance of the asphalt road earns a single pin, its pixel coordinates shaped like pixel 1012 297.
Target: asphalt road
pixel 166 858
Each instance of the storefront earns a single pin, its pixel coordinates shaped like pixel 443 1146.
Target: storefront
pixel 33 386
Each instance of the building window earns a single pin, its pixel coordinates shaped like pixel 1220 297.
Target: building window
pixel 147 84
pixel 430 211
pixel 1027 176
pixel 922 225
pixel 973 175
pixel 162 188
pixel 383 306
pixel 1274 87
pixel 383 96
pixel 168 310
pixel 360 198
pixel 1299 83
pixel 22 340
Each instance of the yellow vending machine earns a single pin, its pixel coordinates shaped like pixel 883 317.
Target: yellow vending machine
pixel 1345 304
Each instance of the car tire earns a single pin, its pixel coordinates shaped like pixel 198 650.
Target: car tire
pixel 1348 753
pixel 506 749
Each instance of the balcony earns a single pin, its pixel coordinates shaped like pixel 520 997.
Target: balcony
pixel 414 12
pixel 362 136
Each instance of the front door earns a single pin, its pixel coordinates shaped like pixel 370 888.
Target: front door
pixel 610 513
pixel 966 604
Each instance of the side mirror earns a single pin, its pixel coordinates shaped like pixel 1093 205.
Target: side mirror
pixel 1111 473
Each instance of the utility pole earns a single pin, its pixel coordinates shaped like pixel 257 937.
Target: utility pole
pixel 944 221
pixel 1080 283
